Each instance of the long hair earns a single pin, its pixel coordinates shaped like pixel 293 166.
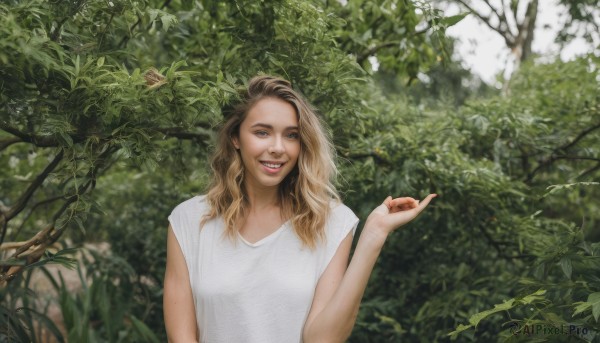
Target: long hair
pixel 305 195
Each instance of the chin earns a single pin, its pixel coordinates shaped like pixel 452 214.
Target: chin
pixel 274 182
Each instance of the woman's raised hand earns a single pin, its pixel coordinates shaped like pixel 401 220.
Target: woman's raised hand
pixel 393 213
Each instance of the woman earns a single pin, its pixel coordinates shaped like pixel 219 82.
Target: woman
pixel 263 256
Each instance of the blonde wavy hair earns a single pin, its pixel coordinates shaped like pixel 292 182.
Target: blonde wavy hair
pixel 305 195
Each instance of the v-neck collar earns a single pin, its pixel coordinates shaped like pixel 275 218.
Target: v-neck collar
pixel 265 239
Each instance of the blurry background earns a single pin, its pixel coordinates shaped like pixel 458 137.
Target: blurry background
pixel 93 157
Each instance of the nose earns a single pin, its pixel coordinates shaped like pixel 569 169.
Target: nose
pixel 277 146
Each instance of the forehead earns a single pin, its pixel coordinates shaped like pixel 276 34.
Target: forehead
pixel 273 112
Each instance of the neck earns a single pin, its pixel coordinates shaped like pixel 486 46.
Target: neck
pixel 262 199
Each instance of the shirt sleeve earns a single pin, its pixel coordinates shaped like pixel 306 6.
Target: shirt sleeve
pixel 343 222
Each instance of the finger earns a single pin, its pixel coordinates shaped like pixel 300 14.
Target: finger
pixel 388 204
pixel 388 201
pixel 382 209
pixel 401 201
pixel 425 202
pixel 407 207
pixel 403 204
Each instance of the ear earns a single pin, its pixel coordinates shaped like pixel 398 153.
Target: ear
pixel 235 142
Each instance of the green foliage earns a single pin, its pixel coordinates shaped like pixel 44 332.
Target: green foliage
pixel 94 152
pixel 74 91
pixel 444 85
pixel 505 306
pixel 393 32
pixel 21 319
pixel 101 311
pixel 546 134
pixel 582 21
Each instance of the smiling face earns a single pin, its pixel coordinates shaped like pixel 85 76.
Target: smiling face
pixel 269 142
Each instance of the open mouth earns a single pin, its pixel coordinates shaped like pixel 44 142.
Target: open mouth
pixel 272 165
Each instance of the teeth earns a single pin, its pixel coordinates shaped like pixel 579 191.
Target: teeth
pixel 271 165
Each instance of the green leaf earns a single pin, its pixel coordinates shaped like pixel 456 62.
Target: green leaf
pixel 594 299
pixel 167 20
pixel 452 20
pixel 554 188
pixel 66 138
pixel 58 258
pixel 227 88
pixel 538 295
pixel 187 4
pixel 46 322
pixel 476 318
pixel 153 13
pixel 143 330
pixel 567 267
pixel 581 307
pixel 458 330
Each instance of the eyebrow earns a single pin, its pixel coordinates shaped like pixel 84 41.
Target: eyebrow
pixel 271 127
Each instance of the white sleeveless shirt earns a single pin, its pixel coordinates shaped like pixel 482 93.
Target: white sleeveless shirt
pixel 253 293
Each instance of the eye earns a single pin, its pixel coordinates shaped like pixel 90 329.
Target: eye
pixel 294 135
pixel 261 133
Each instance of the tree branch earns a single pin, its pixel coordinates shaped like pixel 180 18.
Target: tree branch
pixel 33 208
pixel 504 17
pixel 579 137
pixel 55 35
pixel 40 141
pixel 125 39
pixel 553 158
pixel 178 132
pixel 375 156
pixel 4 222
pixel 497 247
pixel 567 157
pixel 554 155
pixel 363 56
pixel 34 248
pixel 589 171
pixel 500 16
pixel 509 39
pixel 5 143
pixel 22 201
pixel 527 29
pixel 514 7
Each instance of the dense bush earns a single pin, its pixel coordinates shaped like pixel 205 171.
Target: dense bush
pixel 95 154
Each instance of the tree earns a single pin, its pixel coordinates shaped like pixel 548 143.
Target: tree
pixel 509 20
pixel 546 134
pixel 515 22
pixel 90 85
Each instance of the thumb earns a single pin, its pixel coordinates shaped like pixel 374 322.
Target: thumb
pixel 383 208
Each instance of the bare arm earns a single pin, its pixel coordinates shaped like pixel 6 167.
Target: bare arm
pixel 339 291
pixel 178 303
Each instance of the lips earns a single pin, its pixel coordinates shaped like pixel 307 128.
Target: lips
pixel 274 165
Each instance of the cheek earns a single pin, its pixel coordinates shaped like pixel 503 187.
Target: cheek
pixel 253 145
pixel 295 151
